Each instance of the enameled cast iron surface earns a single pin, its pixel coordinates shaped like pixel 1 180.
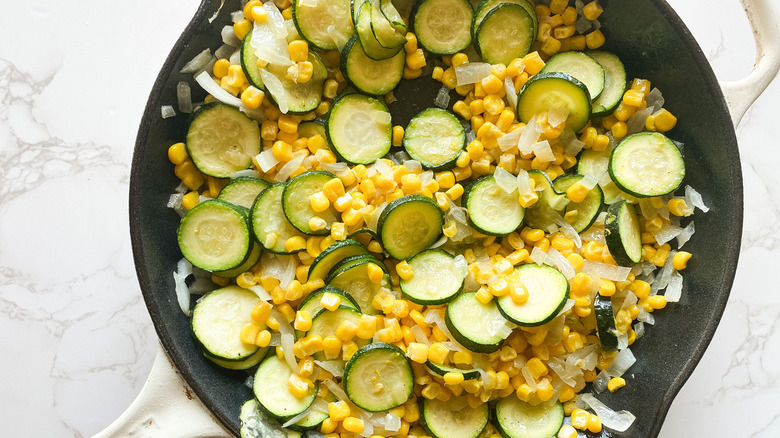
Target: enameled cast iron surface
pixel 653 43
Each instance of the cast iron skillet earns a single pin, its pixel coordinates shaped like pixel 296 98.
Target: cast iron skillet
pixel 653 43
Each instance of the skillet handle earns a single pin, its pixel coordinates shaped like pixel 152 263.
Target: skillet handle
pixel 165 408
pixel 765 21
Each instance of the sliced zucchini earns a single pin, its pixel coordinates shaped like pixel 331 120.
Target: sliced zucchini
pixel 368 40
pixel 217 321
pixel 350 261
pixel 596 163
pixel 491 210
pixel 441 370
pixel 242 191
pixel 506 33
pixel 443 27
pixel 622 233
pixel 647 164
pixel 243 364
pixel 355 281
pixel 548 291
pixel 393 16
pixel 387 34
pixel 581 67
pixel 614 83
pixel 435 138
pixel 326 322
pixel 301 98
pixel 541 214
pixel 515 418
pixel 409 225
pixel 269 223
pixel 255 424
pixel 605 323
pixel 437 279
pixel 378 377
pixel 584 213
pixel 311 304
pixel 222 140
pixel 296 204
pixel 555 91
pixel 270 388
pixel 370 76
pixel 313 18
pixel 309 129
pixel 249 62
pixel 471 323
pixel 214 236
pixel 333 254
pixel 360 128
pixel 483 7
pixel 454 418
pixel 250 260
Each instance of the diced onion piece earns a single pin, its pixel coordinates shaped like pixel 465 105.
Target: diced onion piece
pixel 655 99
pixel 673 291
pixel 174 202
pixel 419 335
pixel 567 375
pixel 182 293
pixel 339 39
pixel 636 123
pixel 276 20
pixel 509 140
pixel 335 367
pixel 288 339
pixel 437 244
pixel 505 180
pixel 566 229
pixel 184 97
pixel 266 160
pixel 600 384
pixel 336 390
pixel 383 169
pixel 275 87
pixel 373 222
pixel 529 378
pixel 692 197
pixel 617 421
pixel 236 16
pixel 566 307
pixel 538 255
pixel 184 268
pixel 334 168
pixel 524 183
pixel 442 99
pixel 261 293
pixel 229 36
pixel 204 80
pixel 560 262
pixel 571 144
pixel 664 276
pixel 685 235
pixel 543 151
pixel 595 233
pixel 511 94
pixel 167 111
pixel 414 166
pixel 609 272
pixel 589 182
pixel 198 62
pixel 667 233
pixel 639 329
pixel 472 72
pixel 621 363
pixel 557 116
pixel 582 25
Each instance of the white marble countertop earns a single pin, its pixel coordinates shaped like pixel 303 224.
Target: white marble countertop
pixel 76 338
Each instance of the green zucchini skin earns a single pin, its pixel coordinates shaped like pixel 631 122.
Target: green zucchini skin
pixel 412 241
pixel 356 65
pixel 620 239
pixel 605 323
pixel 333 254
pixel 588 210
pixel 458 324
pixel 580 66
pixel 614 83
pixel 502 221
pixel 530 99
pixel 403 382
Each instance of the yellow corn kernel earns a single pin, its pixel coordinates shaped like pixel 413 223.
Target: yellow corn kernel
pixel 398 135
pixel 537 367
pixel 221 68
pixel 577 192
pixel 499 287
pixel 606 288
pixel 331 347
pixel 190 200
pixel 448 78
pixel 411 183
pixel 640 288
pixel 594 424
pixel 678 207
pixel 263 338
pixel 282 151
pixel 302 321
pixel 680 260
pixel 579 419
pixel 431 390
pixel 295 243
pixel 415 60
pixel 567 431
pixel 492 84
pixel 619 130
pixel 261 312
pixel 493 104
pixel 333 190
pixel 592 10
pixel 551 46
pixel 455 192
pixel 664 120
pixel 338 231
pixel 298 50
pixel 562 32
pixel 518 293
pixel 177 153
pixel 411 43
pixel 453 378
pixel 417 352
pixel 410 73
pixel 459 59
pixel 235 76
pixel 330 301
pixel 657 302
pixel 249 333
pixel 330 89
pixel 437 353
pixel 437 73
pixel 354 425
pixel 339 410
pixel 252 97
pixel 595 39
pixel 404 270
pixel 298 386
pixel 616 383
pixel 366 327
pixel 445 179
pixel 460 108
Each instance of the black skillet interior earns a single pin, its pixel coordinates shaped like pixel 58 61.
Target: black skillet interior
pixel 651 40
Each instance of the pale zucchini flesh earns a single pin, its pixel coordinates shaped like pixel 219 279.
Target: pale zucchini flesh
pixel 217 321
pixel 222 140
pixel 312 21
pixel 492 210
pixel 214 236
pixel 443 26
pixel 269 223
pixel 548 291
pixel 360 128
pixel 505 33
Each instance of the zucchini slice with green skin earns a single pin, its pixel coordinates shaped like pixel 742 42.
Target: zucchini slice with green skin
pixel 268 218
pixel 350 261
pixel 443 27
pixel 581 67
pixel 540 214
pixel 243 191
pixel 437 279
pixel 325 323
pixel 333 254
pixel 441 370
pixel 470 323
pixel 622 233
pixel 360 129
pixel 387 34
pixel 495 43
pixel 296 204
pixel 368 40
pixel 614 83
pixel 605 323
pixel 270 388
pixel 354 280
pixel 214 236
pixel 221 152
pixel 485 6
pixel 251 260
pixel 555 91
pixel 647 164
pixel 311 128
pixel 409 225
pixel 454 418
pixel 594 163
pixel 378 377
pixel 515 418
pixel 255 424
pixel 435 138
pixel 370 76
pixel 312 21
pixel 217 321
pixel 548 291
pixel 301 98
pixel 243 364
pixel 311 304
pixel 393 16
pixel 491 210
pixel 249 62
pixel 586 211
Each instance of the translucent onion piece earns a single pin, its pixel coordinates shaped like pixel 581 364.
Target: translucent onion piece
pixel 673 291
pixel 334 167
pixel 235 58
pixel 582 25
pixel 595 234
pixel 184 268
pixel 419 335
pixel 167 111
pixel 182 293
pixel 622 362
pixel 442 99
pixel 295 419
pixel 636 123
pixel 286 171
pixel 266 160
pixel 560 262
pixel 511 94
pixel 275 87
pixel 509 140
pixel 372 222
pixel 198 62
pixel 566 228
pixel 568 376
pixel 261 293
pixel 655 99
pixel 524 183
pixel 229 36
pixel 414 166
pixel 538 255
pixel 666 233
pixel 224 51
pixel 600 384
pixel 692 197
pixel 571 144
pixel 622 342
pixel 275 20
pixel 472 72
pixel 557 116
pixel 543 151
pixel 338 38
pixel 237 16
pixel 204 80
pixel 685 235
pixel 529 378
pixel 505 180
pixel 174 202
pixel 639 329
pixel 288 339
pixel 664 276
pixel 276 340
pixel 336 390
pixel 609 272
pixel 589 182
pixel 462 265
pixel 184 97
pixel 566 307
pixel 384 169
pixel 617 421
pixel 335 367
